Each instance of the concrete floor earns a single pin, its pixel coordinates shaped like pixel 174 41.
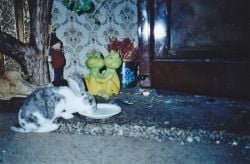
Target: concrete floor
pixel 48 148
pixel 164 127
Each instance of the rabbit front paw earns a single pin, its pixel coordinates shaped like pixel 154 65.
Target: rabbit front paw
pixel 66 115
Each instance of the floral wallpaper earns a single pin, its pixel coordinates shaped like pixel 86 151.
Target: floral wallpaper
pixel 8 25
pixel 82 35
pixel 7 19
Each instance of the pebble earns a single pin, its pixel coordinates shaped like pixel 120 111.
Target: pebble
pixel 197 139
pixel 217 142
pixel 234 143
pixel 189 139
pixel 166 122
pixel 146 93
pixel 247 146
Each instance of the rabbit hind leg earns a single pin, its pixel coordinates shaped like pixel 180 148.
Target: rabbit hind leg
pixel 43 124
pixel 47 127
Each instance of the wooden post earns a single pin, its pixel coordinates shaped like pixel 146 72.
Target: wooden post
pixel 18 5
pixel 1 64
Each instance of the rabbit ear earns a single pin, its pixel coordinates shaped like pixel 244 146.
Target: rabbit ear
pixel 76 84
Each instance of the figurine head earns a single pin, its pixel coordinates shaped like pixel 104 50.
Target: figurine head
pixel 56 46
pixel 113 60
pixel 55 42
pixel 95 60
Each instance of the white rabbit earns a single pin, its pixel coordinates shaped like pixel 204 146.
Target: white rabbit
pixel 44 105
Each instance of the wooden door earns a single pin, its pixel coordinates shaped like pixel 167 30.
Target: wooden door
pixel 200 47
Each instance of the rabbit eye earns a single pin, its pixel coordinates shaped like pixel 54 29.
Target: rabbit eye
pixel 90 101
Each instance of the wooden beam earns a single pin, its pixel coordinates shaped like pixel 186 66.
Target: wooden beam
pixel 18 6
pixel 1 64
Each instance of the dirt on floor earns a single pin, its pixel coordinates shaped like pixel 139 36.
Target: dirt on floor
pixel 47 148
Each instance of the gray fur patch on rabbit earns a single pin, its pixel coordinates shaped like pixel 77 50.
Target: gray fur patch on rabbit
pixel 42 101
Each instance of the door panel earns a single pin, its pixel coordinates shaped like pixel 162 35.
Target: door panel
pixel 211 78
pixel 213 24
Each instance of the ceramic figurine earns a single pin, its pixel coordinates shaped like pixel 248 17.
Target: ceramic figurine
pixel 57 59
pixel 106 83
pixel 94 63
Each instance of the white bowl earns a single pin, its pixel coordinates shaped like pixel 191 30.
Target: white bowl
pixel 104 111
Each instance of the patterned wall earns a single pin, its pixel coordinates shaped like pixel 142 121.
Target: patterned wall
pixel 80 34
pixel 7 19
pixel 8 25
